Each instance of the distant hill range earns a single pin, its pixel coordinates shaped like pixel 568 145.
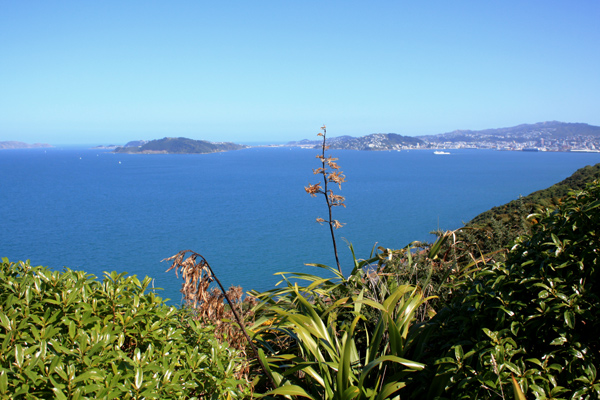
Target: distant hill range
pixel 544 136
pixel 375 141
pixel 21 145
pixel 548 131
pixel 177 146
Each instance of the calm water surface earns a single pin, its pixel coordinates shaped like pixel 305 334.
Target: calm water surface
pixel 245 211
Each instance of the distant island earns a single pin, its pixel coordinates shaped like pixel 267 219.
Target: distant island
pixel 543 136
pixel 375 141
pixel 180 145
pixel 21 145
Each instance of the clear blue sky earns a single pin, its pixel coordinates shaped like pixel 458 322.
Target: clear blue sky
pixel 104 72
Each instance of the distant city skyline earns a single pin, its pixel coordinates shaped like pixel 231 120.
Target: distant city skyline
pixel 272 72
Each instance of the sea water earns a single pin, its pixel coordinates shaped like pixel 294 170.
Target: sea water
pixel 245 211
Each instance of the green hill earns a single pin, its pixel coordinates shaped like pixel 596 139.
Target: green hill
pixel 499 226
pixel 180 146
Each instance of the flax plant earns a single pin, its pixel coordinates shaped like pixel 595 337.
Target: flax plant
pixel 331 173
pixel 315 341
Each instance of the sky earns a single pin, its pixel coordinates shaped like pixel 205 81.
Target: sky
pixel 108 72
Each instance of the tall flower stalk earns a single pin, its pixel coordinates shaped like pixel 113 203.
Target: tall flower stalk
pixel 331 174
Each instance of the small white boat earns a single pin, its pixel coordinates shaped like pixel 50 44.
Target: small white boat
pixel 440 152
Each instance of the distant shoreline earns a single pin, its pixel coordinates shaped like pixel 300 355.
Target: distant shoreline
pixel 10 145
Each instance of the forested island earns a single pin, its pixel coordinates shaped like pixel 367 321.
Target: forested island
pixel 169 145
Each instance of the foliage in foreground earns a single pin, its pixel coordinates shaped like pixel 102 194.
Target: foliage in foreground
pixel 535 316
pixel 331 339
pixel 67 335
pixel 527 324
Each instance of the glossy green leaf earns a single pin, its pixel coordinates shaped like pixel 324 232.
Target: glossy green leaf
pixel 3 382
pixel 288 390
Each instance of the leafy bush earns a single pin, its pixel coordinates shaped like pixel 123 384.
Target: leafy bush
pixel 67 335
pixel 535 316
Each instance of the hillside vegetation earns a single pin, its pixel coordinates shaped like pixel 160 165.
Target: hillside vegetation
pixel 498 227
pixel 533 317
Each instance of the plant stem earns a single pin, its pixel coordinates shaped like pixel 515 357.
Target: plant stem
pixel 235 314
pixel 329 206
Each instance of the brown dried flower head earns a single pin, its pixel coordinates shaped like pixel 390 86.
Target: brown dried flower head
pixel 313 190
pixel 337 224
pixel 336 199
pixel 336 177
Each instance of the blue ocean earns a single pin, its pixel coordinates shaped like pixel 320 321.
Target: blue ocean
pixel 245 211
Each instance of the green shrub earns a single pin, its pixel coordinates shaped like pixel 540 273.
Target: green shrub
pixel 535 316
pixel 66 335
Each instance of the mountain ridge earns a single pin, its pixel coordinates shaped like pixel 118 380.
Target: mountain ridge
pixel 545 136
pixel 541 134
